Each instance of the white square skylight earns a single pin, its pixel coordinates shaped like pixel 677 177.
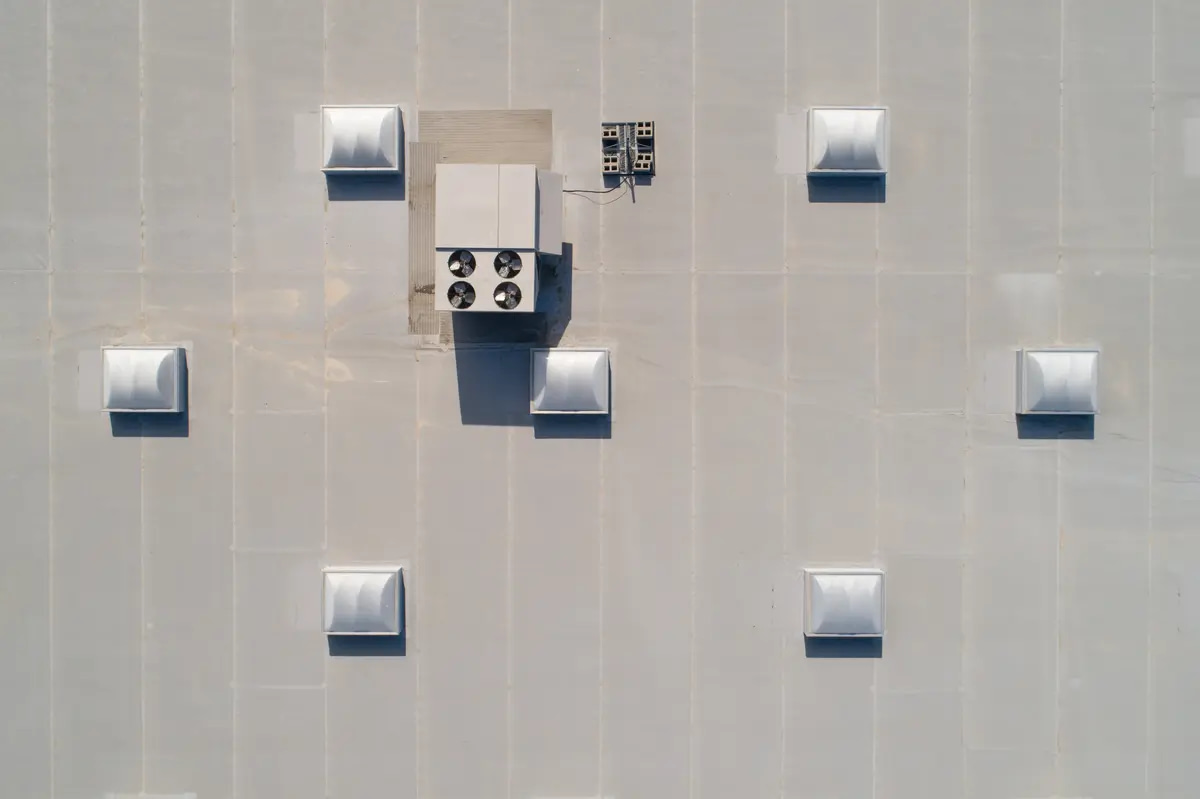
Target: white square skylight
pixel 1058 381
pixel 569 381
pixel 360 138
pixel 143 379
pixel 843 603
pixel 363 600
pixel 847 141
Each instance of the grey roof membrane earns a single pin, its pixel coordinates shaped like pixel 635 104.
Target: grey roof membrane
pixel 805 374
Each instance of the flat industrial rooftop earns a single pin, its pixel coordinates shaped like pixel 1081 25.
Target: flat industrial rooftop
pixel 803 376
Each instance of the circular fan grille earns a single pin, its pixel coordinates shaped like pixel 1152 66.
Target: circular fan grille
pixel 507 296
pixel 507 264
pixel 460 295
pixel 461 263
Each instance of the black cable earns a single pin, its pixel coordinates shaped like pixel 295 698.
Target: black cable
pixel 625 182
pixel 594 191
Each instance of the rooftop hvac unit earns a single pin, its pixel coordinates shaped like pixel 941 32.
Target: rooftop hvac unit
pixel 143 379
pixel 848 141
pixel 843 603
pixel 492 222
pixel 363 600
pixel 361 138
pixel 1058 381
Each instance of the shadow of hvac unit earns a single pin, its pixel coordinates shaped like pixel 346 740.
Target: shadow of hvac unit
pixel 492 222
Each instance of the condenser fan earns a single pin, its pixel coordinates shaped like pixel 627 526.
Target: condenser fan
pixel 461 295
pixel 508 295
pixel 461 263
pixel 507 264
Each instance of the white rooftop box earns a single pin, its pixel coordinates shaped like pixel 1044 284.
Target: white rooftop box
pixel 498 207
pixel 843 603
pixel 361 138
pixel 847 141
pixel 567 381
pixel 363 600
pixel 143 379
pixel 1058 381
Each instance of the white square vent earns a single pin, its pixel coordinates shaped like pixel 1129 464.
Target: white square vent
pixel 843 603
pixel 363 600
pixel 1058 381
pixel 361 138
pixel 143 379
pixel 491 223
pixel 847 141
pixel 569 381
